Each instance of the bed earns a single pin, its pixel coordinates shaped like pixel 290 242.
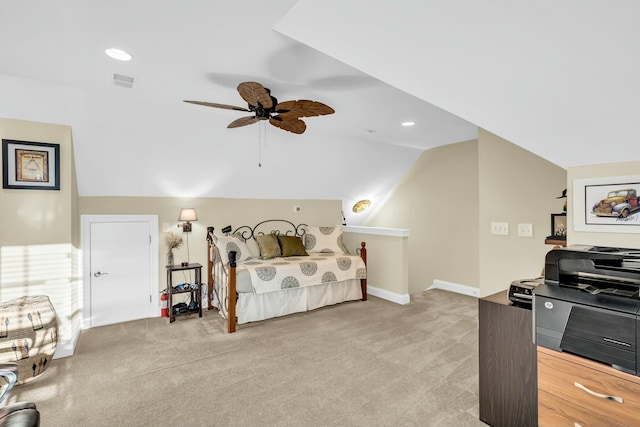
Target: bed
pixel 276 268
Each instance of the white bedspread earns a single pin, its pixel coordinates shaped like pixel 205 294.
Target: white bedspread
pixel 294 272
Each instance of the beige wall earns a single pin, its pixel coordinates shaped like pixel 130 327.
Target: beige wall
pixel 515 186
pixel 39 232
pixel 387 262
pixel 40 229
pixel 621 240
pixel 448 200
pixel 437 201
pixel 216 212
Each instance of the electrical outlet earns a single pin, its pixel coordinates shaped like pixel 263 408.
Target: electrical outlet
pixel 525 230
pixel 297 208
pixel 500 228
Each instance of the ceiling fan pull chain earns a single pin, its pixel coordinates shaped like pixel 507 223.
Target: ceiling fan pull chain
pixel 264 133
pixel 259 147
pixel 262 140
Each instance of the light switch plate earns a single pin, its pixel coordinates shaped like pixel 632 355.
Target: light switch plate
pixel 500 228
pixel 525 230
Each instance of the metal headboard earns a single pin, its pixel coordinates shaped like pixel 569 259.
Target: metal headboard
pixel 277 226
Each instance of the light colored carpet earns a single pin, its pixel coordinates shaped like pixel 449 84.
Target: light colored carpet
pixel 355 364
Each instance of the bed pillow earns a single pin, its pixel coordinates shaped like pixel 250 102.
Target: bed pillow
pixel 253 247
pixel 251 243
pixel 324 239
pixel 291 246
pixel 227 244
pixel 269 246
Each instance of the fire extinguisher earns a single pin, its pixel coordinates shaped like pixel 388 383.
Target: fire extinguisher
pixel 163 305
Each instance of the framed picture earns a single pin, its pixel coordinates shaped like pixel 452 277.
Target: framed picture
pixel 607 204
pixel 30 165
pixel 558 226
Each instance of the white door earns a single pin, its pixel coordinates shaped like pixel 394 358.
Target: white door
pixel 120 270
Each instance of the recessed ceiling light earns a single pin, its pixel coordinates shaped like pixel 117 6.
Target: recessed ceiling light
pixel 407 124
pixel 118 54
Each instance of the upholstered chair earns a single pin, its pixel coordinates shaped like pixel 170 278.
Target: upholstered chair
pixel 22 414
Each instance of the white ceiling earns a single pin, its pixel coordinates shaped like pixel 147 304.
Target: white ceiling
pixel 557 78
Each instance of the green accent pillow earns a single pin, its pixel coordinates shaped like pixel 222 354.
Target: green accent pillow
pixel 269 246
pixel 292 246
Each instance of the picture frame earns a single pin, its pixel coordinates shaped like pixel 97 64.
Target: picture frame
pixel 617 200
pixel 558 226
pixel 30 165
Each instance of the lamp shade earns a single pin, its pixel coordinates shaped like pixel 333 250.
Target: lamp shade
pixel 188 214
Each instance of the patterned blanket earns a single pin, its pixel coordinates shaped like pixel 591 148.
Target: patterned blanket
pixel 293 272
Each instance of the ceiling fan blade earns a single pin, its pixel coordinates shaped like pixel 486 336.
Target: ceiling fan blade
pixel 302 108
pixel 292 125
pixel 254 93
pixel 213 104
pixel 243 121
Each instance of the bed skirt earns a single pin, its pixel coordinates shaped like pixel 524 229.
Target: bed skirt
pixel 255 307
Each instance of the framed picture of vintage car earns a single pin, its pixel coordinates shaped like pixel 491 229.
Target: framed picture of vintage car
pixel 558 226
pixel 608 204
pixel 30 165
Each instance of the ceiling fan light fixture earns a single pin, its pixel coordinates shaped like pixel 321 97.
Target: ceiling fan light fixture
pixel 118 54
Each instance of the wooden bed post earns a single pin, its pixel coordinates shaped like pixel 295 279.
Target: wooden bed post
pixel 232 292
pixel 210 269
pixel 363 282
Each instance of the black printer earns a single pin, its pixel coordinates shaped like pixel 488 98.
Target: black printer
pixel 589 304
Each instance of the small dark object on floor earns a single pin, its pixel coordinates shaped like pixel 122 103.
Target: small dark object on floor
pixel 180 308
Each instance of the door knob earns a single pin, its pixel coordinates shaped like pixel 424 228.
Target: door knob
pixel 98 274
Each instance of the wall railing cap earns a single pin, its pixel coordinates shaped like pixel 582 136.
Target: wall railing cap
pixel 382 231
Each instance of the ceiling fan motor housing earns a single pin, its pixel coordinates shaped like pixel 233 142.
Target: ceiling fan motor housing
pixel 261 112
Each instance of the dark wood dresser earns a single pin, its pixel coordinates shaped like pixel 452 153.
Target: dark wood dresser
pixel 508 366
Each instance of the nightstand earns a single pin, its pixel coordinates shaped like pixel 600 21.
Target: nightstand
pixel 196 293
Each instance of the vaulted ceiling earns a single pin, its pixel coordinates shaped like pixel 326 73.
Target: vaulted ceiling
pixel 557 78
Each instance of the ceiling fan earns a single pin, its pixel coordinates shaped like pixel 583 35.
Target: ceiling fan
pixel 285 115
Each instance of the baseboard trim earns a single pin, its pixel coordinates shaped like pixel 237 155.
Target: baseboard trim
pixel 388 295
pixel 455 287
pixel 67 348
